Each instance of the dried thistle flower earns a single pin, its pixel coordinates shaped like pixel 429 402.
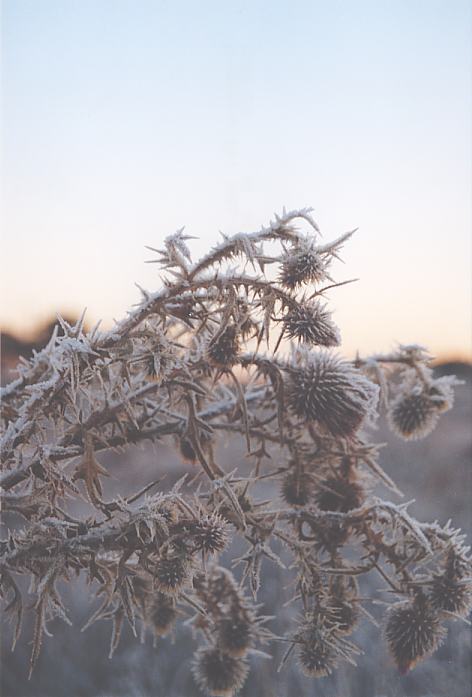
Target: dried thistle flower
pixel 318 646
pixel 211 533
pixel 325 389
pixel 451 594
pixel 415 412
pixel 223 350
pixel 218 673
pixel 235 634
pixel 297 487
pixel 413 631
pixel 413 415
pixel 171 574
pixel 303 264
pixel 451 588
pixel 339 494
pixel 312 324
pixel 161 613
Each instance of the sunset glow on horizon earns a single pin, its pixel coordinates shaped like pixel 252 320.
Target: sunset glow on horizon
pixel 124 121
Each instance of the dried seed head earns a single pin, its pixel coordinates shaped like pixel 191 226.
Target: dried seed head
pixel 335 494
pixel 317 653
pixel 162 614
pixel 234 635
pixel 303 264
pixel 217 585
pixel 297 487
pixel 413 632
pixel 413 415
pixel 223 350
pixel 211 533
pixel 311 323
pixel 451 594
pixel 325 389
pixel 218 673
pixel 171 574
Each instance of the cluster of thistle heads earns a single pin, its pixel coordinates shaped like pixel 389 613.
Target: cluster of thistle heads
pixel 237 346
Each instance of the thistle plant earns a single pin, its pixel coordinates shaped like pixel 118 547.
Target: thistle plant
pixel 228 350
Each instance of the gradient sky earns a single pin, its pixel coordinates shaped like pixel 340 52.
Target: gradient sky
pixel 123 120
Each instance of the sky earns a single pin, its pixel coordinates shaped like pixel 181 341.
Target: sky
pixel 123 120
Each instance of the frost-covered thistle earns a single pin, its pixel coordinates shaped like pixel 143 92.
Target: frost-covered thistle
pixel 415 412
pixel 413 415
pixel 451 588
pixel 320 645
pixel 413 631
pixel 312 324
pixel 223 349
pixel 161 614
pixel 211 533
pixel 217 673
pixel 171 574
pixel 325 389
pixel 235 634
pixel 303 264
pixel 339 494
pixel 185 369
pixel 296 487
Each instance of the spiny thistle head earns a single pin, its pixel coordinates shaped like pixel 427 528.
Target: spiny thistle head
pixel 235 634
pixel 161 614
pixel 329 391
pixel 297 487
pixel 211 533
pixel 339 494
pixel 303 264
pixel 451 594
pixel 223 349
pixel 415 412
pixel 413 631
pixel 171 573
pixel 312 324
pixel 451 589
pixel 413 415
pixel 218 673
pixel 317 651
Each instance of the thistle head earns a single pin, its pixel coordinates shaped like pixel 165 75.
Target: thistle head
pixel 311 323
pixel 413 631
pixel 325 389
pixel 318 645
pixel 415 412
pixel 235 634
pixel 222 351
pixel 339 494
pixel 451 589
pixel 218 673
pixel 161 614
pixel 171 573
pixel 451 594
pixel 303 264
pixel 211 533
pixel 296 487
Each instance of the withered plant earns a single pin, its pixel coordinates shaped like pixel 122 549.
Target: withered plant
pixel 238 345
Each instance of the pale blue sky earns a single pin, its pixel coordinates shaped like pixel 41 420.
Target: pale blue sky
pixel 124 120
